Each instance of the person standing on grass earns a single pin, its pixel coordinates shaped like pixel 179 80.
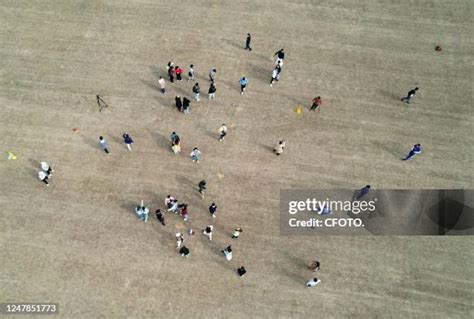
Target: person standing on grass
pixel 176 146
pixel 410 95
pixel 196 91
pixel 171 72
pixel 202 187
pixel 127 140
pixel 227 253
pixel 275 74
pixel 212 91
pixel 46 168
pixel 316 103
pixel 184 212
pixel 142 212
pixel 247 42
pixel 104 145
pixel 191 73
pixel 280 56
pixel 173 138
pixel 213 209
pixel 208 231
pixel 186 104
pixel 196 155
pixel 162 84
pixel 178 102
pixel 43 177
pixel 362 192
pixel 236 233
pixel 243 84
pixel 169 201
pixel 184 251
pixel 160 217
pixel 212 75
pixel 173 206
pixel 415 150
pixel 222 132
pixel 241 271
pixel 279 148
pixel 178 72
pixel 179 240
pixel 312 282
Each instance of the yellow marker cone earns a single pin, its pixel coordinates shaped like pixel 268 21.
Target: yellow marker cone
pixel 11 156
pixel 299 109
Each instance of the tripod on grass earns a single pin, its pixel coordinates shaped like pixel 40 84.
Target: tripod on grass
pixel 101 103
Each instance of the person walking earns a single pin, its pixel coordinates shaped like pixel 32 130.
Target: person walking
pixel 280 56
pixel 314 266
pixel 212 74
pixel 213 210
pixel 415 150
pixel 222 132
pixel 236 233
pixel 243 84
pixel 312 282
pixel 174 137
pixel 212 91
pixel 179 240
pixel 247 42
pixel 275 74
pixel 186 104
pixel 227 253
pixel 362 192
pixel 184 251
pixel 46 168
pixel 241 271
pixel 191 73
pixel 160 217
pixel 176 146
pixel 171 73
pixel 316 103
pixel 410 95
pixel 196 155
pixel 208 231
pixel 173 206
pixel 202 186
pixel 279 148
pixel 162 84
pixel 104 145
pixel 43 176
pixel 196 91
pixel 178 72
pixel 178 103
pixel 127 140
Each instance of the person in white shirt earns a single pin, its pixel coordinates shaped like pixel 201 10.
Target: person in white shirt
pixel 279 148
pixel 312 282
pixel 228 253
pixel 179 240
pixel 222 132
pixel 45 167
pixel 191 73
pixel 162 84
pixel 43 177
pixel 208 231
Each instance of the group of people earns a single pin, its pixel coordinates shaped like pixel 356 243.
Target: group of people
pixel 183 105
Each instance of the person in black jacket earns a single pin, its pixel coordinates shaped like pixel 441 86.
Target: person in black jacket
pixel 212 91
pixel 196 91
pixel 247 42
pixel 160 217
pixel 186 103
pixel 179 104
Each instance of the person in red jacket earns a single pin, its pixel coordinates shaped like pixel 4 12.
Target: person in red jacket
pixel 316 103
pixel 178 71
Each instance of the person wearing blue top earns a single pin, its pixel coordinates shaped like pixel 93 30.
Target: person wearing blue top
pixel 243 84
pixel 362 192
pixel 213 209
pixel 415 150
pixel 127 140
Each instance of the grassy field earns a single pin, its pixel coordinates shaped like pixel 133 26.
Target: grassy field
pixel 78 243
